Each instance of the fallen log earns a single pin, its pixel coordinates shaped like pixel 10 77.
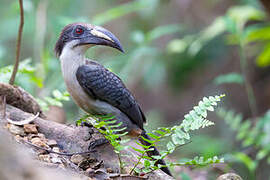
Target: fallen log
pixel 103 163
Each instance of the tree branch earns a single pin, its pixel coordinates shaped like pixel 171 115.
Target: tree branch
pixel 18 46
pixel 19 98
pixel 266 4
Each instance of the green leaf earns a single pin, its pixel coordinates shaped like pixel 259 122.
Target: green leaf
pixel 53 102
pixel 157 157
pixel 177 140
pixel 57 94
pixel 205 36
pixel 160 132
pixel 144 146
pixel 243 130
pixel 262 154
pixel 210 108
pixel 161 31
pixel 200 161
pixel 147 140
pixel 170 146
pixel 115 125
pixel 259 34
pixel 177 46
pixel 118 11
pixel 229 78
pixel 242 14
pixel 153 136
pixel 263 60
pixel 37 80
pixel 182 134
pixel 138 150
pixel 147 163
pixel 250 164
pixel 138 37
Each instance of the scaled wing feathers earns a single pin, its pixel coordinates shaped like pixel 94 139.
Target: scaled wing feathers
pixel 100 83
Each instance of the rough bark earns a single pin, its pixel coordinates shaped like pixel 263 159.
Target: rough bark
pixel 76 139
pixel 19 98
pixel 16 162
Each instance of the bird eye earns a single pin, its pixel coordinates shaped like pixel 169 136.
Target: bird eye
pixel 79 31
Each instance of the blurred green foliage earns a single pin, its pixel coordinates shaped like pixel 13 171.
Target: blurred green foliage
pixel 255 137
pixel 229 78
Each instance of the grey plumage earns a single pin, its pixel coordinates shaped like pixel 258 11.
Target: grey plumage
pixel 102 84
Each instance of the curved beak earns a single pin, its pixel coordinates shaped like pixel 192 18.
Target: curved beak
pixel 101 36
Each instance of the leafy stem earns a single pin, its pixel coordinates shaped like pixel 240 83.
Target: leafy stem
pixel 247 84
pixel 137 163
pixel 179 136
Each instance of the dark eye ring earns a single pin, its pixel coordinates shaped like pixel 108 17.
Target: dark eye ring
pixel 79 31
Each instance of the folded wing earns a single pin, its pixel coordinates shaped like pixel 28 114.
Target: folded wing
pixel 100 83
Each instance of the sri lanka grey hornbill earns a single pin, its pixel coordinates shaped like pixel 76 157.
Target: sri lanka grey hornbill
pixel 94 88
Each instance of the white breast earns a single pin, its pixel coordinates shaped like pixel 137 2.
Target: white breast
pixel 71 59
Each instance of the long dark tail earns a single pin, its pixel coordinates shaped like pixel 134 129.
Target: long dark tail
pixel 154 153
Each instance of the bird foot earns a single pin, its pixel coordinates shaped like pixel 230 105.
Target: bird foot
pixel 97 142
pixel 83 123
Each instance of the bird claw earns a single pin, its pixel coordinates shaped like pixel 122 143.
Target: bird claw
pixel 83 123
pixel 96 143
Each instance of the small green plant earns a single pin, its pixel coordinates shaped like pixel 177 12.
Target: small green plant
pixel 178 136
pixel 253 132
pixel 253 136
pixel 55 100
pixel 25 68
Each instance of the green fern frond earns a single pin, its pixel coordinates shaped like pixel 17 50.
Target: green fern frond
pixel 196 118
pixel 233 119
pixel 200 161
pixel 255 135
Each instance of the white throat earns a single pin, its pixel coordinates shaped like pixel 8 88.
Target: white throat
pixel 72 54
pixel 71 58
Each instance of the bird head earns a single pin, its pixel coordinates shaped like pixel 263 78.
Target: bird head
pixel 82 35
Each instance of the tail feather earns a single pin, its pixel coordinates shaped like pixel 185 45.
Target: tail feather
pixel 154 153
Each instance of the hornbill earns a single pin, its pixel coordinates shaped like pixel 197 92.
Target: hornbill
pixel 94 88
